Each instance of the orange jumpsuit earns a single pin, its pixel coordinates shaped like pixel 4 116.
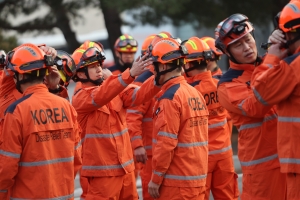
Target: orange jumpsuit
pixel 140 128
pixel 217 73
pixel 278 83
pixel 221 178
pixel 180 135
pixel 107 153
pixel 256 123
pixel 39 149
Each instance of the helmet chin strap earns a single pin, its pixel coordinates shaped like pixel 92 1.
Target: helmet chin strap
pixel 290 42
pixel 159 73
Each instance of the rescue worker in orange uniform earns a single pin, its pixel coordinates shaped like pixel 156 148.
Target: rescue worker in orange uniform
pixel 39 150
pixel 107 154
pixel 278 84
pixel 140 128
pixel 125 49
pixel 256 122
pixel 212 65
pixel 221 178
pixel 180 129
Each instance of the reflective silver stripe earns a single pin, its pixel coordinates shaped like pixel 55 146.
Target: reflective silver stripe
pixel 185 178
pixel 170 135
pixel 93 101
pixel 259 161
pixel 106 167
pixel 56 198
pixel 219 150
pixel 219 124
pixel 134 111
pixel 194 144
pixel 289 119
pixel 148 147
pixel 134 93
pixel 81 198
pixel 269 65
pixel 147 120
pixel 3 191
pixel 292 6
pixel 106 135
pixel 154 141
pixel 136 137
pixel 9 154
pixel 254 125
pixel 157 173
pixel 121 80
pixel 241 107
pixel 259 97
pixel 290 160
pixel 46 162
pixel 79 144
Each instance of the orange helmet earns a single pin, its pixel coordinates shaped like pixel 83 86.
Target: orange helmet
pixel 66 67
pixel 198 50
pixel 28 58
pixel 289 18
pixel 88 44
pixel 126 44
pixel 211 43
pixel 167 50
pixel 232 29
pixel 146 43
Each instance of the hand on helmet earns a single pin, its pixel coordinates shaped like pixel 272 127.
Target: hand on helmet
pixel 277 37
pixel 49 51
pixel 277 51
pixel 140 65
pixel 106 73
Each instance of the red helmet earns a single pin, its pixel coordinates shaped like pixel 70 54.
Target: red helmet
pixel 197 49
pixel 66 66
pixel 232 29
pixel 85 57
pixel 126 43
pixel 88 44
pixel 28 58
pixel 289 18
pixel 211 43
pixel 168 50
pixel 146 43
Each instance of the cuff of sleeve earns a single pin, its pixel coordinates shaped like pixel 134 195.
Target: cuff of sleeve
pixel 137 143
pixel 127 78
pixel 157 178
pixel 271 59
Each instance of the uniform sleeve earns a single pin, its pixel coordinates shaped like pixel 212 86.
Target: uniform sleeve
pixel 274 84
pixel 239 99
pixel 134 95
pixel 166 131
pixel 77 148
pixel 93 98
pixel 10 152
pixel 134 119
pixel 64 93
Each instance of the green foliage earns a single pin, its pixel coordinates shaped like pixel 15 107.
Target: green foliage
pixel 7 43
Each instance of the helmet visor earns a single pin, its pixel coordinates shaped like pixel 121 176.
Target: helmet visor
pixel 130 42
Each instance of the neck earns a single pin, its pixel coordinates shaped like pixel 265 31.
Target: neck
pixel 88 84
pixel 195 72
pixel 25 86
pixel 212 65
pixel 170 75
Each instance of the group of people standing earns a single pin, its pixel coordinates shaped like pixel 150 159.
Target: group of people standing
pixel 167 116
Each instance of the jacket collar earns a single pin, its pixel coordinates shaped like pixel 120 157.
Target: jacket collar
pixel 202 76
pixel 36 89
pixel 246 67
pixel 173 81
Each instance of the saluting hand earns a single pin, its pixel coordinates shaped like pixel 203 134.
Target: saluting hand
pixel 153 190
pixel 140 65
pixel 277 37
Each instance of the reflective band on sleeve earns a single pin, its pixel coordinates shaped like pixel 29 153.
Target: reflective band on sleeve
pixel 134 93
pixel 254 125
pixel 258 96
pixel 136 137
pixel 147 120
pixel 134 111
pixel 185 178
pixel 289 119
pixel 241 107
pixel 219 150
pixel 107 167
pixel 219 124
pixel 170 135
pixel 79 144
pixel 289 160
pixel 194 144
pixel 93 101
pixel 9 154
pixel 259 161
pixel 121 80
pixel 269 65
pixel 70 196
pixel 45 162
pixel 154 141
pixel 105 135
pixel 157 173
pixel 148 147
pixel 3 191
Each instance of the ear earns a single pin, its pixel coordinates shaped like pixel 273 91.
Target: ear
pixel 117 54
pixel 21 77
pixel 81 75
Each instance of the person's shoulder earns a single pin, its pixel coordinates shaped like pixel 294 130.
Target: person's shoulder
pixel 11 108
pixel 170 92
pixel 230 75
pixel 290 59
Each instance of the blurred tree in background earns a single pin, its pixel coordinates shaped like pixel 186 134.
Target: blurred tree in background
pixel 204 13
pixel 7 43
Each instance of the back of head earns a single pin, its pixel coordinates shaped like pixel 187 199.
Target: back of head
pixel 146 43
pixel 217 53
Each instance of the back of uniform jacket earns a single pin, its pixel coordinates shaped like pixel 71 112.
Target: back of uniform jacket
pixel 39 149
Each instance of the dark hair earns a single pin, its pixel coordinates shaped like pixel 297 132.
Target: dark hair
pixel 36 76
pixel 200 66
